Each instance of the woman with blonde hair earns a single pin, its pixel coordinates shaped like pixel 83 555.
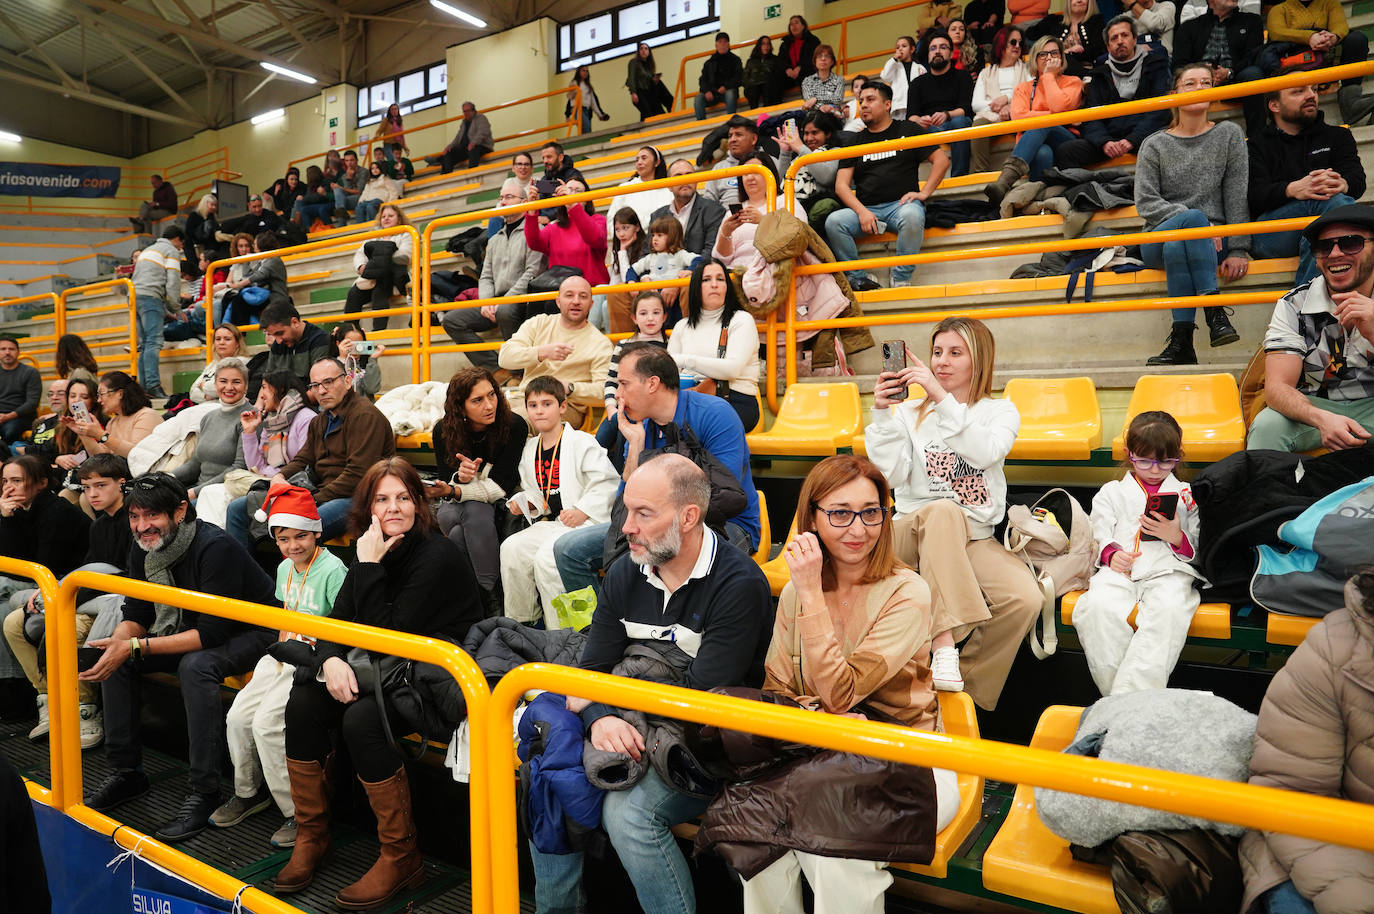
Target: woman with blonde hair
pixel 227 343
pixel 382 264
pixel 379 189
pixel 201 227
pixel 1079 26
pixel 1050 91
pixel 943 453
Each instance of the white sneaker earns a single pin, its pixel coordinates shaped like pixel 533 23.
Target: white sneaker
pixel 41 730
pixel 92 726
pixel 944 670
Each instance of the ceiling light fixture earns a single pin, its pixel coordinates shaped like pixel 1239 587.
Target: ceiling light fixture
pixel 266 116
pixel 457 13
pixel 7 137
pixel 289 73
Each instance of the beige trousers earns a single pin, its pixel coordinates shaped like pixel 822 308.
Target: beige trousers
pixel 27 654
pixel 981 149
pixel 977 588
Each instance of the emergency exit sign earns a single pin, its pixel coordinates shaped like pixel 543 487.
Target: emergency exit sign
pixel 773 12
pixel 333 122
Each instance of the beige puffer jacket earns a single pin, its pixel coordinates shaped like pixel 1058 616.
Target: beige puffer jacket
pixel 1316 735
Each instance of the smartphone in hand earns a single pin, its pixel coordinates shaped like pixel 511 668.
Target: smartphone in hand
pixel 1165 503
pixel 894 360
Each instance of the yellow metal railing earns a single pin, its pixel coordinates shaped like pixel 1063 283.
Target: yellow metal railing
pixel 66 793
pixel 97 288
pixel 1319 818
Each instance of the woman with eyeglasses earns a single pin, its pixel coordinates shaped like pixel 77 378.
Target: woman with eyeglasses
pixel 1193 175
pixel 1050 91
pixel 1146 526
pixel 943 451
pixel 129 413
pixel 851 637
pixel 996 85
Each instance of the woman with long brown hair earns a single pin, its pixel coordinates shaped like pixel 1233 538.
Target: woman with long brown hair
pixel 74 357
pixel 477 447
pixel 407 577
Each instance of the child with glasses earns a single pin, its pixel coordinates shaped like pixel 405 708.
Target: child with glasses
pixel 1145 530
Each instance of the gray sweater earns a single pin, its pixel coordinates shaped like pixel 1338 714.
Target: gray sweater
pixel 20 389
pixel 1209 173
pixel 217 444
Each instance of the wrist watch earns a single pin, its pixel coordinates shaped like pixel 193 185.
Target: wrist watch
pixel 103 438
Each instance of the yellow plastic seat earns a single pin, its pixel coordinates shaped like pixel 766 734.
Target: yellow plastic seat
pixel 765 532
pixel 815 420
pixel 1027 860
pixel 1060 418
pixel 1207 406
pixel 415 441
pixel 776 570
pixel 1212 620
pixel 960 719
pixel 1282 628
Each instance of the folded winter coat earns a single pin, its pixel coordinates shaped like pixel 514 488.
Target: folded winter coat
pixel 499 645
pixel 557 804
pixel 1175 872
pixel 1330 543
pixel 1091 190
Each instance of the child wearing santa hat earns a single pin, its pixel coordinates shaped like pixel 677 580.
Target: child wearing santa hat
pixel 308 579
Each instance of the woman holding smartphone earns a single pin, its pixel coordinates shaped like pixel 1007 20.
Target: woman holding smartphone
pixel 943 453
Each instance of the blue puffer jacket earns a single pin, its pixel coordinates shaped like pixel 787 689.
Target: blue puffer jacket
pixel 555 794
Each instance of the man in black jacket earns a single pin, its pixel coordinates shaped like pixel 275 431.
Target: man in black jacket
pixel 721 76
pixel 176 549
pixel 1299 166
pixel 1229 40
pixel 1128 72
pixel 699 215
pixel 683 588
pixel 942 99
pixel 257 220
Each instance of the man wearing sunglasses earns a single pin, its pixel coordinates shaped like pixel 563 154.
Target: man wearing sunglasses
pixel 1319 361
pixel 1128 72
pixel 1299 166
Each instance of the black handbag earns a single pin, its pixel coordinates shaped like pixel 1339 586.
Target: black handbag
pixel 379 254
pixel 425 698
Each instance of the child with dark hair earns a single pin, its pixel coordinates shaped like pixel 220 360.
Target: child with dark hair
pixel 1144 533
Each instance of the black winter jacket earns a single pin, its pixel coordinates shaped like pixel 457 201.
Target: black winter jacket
pixel 1245 31
pixel 721 70
pixel 1155 80
pixel 51 532
pixel 1276 158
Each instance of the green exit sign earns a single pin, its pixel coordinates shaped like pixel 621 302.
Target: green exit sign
pixel 773 12
pixel 333 122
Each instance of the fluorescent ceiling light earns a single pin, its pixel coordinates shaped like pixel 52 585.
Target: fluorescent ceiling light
pixel 288 73
pixel 457 13
pixel 8 137
pixel 269 116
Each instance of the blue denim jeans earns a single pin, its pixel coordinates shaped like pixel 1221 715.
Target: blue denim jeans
pixel 731 102
pixel 1285 899
pixel 959 152
pixel 1190 267
pixel 333 518
pixel 366 211
pixel 908 220
pixel 344 199
pixel 1036 148
pixel 309 212
pixel 1286 244
pixel 638 821
pixel 151 319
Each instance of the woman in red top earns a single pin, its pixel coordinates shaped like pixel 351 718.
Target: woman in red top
pixel 573 237
pixel 795 51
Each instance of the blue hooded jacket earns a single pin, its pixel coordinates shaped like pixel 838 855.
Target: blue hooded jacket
pixel 554 784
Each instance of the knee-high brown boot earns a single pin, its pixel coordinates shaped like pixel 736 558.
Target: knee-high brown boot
pixel 310 794
pixel 399 866
pixel 1013 171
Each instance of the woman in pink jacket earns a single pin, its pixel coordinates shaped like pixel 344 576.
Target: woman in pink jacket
pixel 573 237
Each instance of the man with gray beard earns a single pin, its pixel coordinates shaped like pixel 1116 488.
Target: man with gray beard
pixel 681 587
pixel 176 549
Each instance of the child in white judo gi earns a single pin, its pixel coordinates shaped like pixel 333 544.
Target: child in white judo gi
pixel 1145 571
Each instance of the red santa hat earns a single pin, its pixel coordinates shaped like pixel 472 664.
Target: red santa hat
pixel 289 506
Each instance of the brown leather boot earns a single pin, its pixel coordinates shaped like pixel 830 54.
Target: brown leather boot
pixel 310 794
pixel 1013 171
pixel 399 866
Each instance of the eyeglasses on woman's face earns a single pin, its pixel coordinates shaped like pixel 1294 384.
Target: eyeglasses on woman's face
pixel 1149 463
pixel 843 517
pixel 1048 55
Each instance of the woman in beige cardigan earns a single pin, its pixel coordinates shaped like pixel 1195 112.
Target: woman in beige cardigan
pixel 129 412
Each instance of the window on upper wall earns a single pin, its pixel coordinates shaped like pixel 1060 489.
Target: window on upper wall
pixel 617 32
pixel 415 90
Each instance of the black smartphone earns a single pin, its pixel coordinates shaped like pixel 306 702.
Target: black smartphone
pixel 87 657
pixel 1165 503
pixel 735 208
pixel 547 187
pixel 894 360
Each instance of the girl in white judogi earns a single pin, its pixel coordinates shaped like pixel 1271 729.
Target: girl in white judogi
pixel 1145 566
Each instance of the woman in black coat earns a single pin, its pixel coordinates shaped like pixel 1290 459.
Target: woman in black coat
pixel 36 525
pixel 795 51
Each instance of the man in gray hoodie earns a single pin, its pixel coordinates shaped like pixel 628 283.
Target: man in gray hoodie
pixel 157 294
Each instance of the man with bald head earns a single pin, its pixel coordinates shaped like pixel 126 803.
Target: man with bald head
pixel 699 216
pixel 507 269
pixel 705 606
pixel 565 346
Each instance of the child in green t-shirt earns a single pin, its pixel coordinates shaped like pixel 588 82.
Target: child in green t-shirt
pixel 308 580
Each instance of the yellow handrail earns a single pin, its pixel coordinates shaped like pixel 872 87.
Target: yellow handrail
pixel 41 296
pixel 60 752
pixel 61 637
pixel 1319 818
pixel 96 288
pixel 419 269
pixel 482 216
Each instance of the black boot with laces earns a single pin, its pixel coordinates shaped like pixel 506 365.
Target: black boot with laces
pixel 1219 326
pixel 1179 349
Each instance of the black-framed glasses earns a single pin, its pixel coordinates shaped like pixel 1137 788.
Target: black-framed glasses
pixel 1048 54
pixel 1013 42
pixel 844 517
pixel 1149 463
pixel 1349 244
pixel 316 385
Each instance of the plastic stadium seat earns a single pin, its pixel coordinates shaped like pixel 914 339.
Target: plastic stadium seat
pixel 815 420
pixel 776 570
pixel 415 441
pixel 1212 620
pixel 1060 418
pixel 1207 406
pixel 1027 860
pixel 960 719
pixel 1282 628
pixel 765 532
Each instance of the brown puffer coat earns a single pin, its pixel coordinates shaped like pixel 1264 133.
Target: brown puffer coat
pixel 1316 735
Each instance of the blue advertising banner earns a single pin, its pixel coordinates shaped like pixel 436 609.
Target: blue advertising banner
pixel 27 179
pixel 149 902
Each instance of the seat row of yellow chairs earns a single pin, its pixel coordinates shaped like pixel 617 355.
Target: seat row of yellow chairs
pixel 1060 417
